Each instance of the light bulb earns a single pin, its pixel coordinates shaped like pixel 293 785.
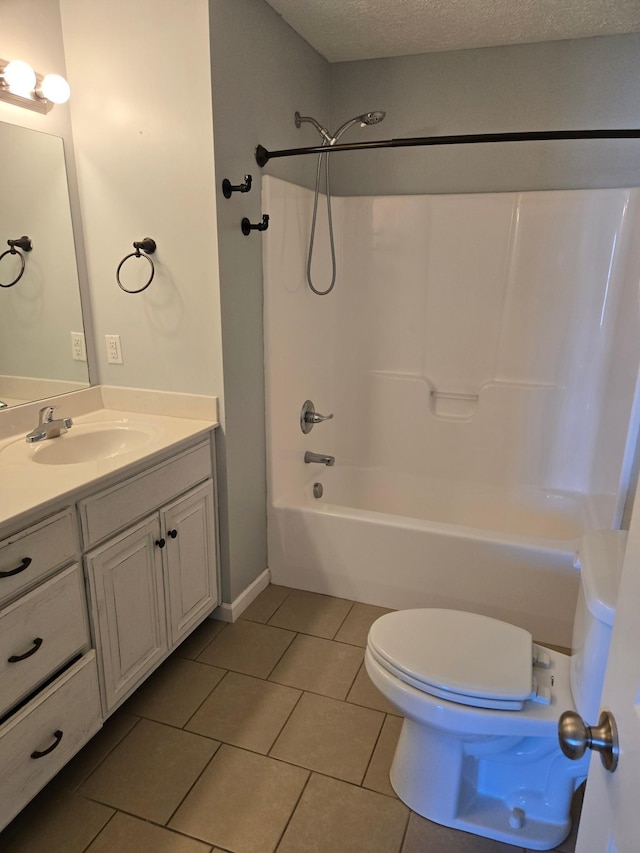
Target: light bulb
pixel 20 77
pixel 55 89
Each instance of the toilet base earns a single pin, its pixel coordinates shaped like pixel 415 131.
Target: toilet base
pixel 514 790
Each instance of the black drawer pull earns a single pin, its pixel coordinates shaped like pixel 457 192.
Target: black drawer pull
pixel 161 543
pixel 26 562
pixel 41 753
pixel 36 645
pixel 173 533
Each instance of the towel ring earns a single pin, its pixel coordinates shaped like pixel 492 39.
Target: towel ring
pixel 143 249
pixel 23 243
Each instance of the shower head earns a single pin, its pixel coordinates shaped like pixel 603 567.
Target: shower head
pixel 366 118
pixel 372 118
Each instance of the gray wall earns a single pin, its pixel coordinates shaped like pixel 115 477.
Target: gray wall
pixel 262 71
pixel 586 83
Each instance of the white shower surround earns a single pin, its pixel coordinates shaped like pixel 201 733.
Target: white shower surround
pixel 524 308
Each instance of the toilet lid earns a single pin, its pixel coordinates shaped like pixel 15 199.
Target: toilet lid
pixel 462 657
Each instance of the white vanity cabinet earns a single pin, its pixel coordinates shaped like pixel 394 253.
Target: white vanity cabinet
pixel 49 696
pixel 191 590
pixel 128 606
pixel 153 582
pixel 93 596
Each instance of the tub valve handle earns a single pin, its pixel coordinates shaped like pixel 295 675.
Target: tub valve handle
pixel 309 417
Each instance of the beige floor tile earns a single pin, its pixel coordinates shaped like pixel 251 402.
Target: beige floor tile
pixel 329 736
pixel 424 836
pixel 355 627
pixel 100 745
pixel 199 639
pixel 246 712
pixel 57 821
pixel 248 647
pixel 364 692
pixel 175 691
pixel 150 771
pixel 242 801
pixel 311 613
pixel 334 816
pixel 266 604
pixel 321 666
pixel 377 776
pixel 126 834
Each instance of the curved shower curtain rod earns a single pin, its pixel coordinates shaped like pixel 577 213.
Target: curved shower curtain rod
pixel 263 155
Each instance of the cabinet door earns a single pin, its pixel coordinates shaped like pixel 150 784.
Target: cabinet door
pixel 125 579
pixel 191 568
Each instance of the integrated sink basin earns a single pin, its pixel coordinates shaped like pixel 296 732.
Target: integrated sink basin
pixel 83 443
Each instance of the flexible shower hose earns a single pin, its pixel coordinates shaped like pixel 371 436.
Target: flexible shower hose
pixel 313 228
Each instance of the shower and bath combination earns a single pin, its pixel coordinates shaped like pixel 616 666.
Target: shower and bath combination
pixel 328 140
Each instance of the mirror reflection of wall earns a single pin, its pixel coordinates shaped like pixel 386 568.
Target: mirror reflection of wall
pixel 39 313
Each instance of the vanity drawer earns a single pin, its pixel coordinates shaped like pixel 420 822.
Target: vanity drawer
pixel 39 633
pixel 63 716
pixel 34 553
pixel 120 506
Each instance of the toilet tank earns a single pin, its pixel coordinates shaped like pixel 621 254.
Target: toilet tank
pixel 600 562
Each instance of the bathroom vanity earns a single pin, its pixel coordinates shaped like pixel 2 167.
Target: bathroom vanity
pixel 108 560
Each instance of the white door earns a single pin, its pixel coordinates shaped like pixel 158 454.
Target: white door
pixel 191 567
pixel 127 594
pixel 611 813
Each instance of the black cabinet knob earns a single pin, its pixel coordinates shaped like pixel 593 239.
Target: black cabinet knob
pixel 172 533
pixel 161 543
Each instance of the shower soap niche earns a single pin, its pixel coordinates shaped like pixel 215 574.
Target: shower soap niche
pixel 453 404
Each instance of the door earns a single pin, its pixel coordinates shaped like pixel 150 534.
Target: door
pixel 125 581
pixel 188 525
pixel 610 820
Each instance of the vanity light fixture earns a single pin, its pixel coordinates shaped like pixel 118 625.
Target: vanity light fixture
pixel 22 86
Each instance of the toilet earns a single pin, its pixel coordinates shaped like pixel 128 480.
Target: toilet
pixel 479 747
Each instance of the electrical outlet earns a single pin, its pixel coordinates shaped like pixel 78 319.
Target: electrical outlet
pixel 78 347
pixel 114 350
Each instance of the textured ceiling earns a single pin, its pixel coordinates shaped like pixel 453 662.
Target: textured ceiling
pixel 366 29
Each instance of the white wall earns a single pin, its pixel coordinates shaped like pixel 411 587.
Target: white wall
pixel 524 302
pixel 586 83
pixel 142 125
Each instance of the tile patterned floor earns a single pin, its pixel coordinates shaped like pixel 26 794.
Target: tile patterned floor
pixel 261 736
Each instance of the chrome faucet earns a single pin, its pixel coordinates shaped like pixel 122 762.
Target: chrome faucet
pixel 322 458
pixel 47 426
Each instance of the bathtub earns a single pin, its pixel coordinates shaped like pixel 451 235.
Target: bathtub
pixel 397 541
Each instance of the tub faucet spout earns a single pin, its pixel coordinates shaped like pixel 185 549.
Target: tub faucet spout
pixel 322 458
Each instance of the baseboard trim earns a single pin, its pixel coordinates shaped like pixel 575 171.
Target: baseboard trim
pixel 230 612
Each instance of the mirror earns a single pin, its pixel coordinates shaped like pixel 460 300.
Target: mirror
pixel 39 313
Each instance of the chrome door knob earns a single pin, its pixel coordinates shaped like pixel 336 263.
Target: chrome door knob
pixel 576 737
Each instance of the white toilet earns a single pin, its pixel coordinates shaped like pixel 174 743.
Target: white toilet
pixel 479 746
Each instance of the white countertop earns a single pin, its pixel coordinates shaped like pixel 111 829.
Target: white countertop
pixel 27 486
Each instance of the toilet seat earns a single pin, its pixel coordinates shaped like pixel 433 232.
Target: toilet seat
pixel 462 657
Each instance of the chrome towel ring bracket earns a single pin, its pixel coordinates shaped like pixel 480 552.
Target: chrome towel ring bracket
pixel 143 249
pixel 23 243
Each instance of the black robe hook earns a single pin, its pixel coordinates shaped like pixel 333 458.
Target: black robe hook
pixel 247 227
pixel 228 187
